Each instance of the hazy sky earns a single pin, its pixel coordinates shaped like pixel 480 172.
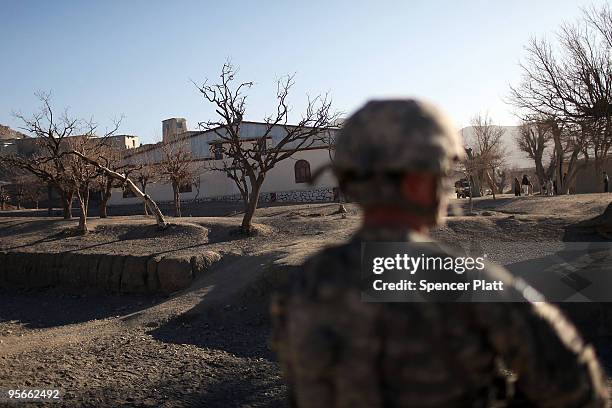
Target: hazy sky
pixel 136 58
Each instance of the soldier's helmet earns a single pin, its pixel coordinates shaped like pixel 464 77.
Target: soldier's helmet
pixel 388 138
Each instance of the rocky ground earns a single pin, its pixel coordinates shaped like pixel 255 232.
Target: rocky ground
pixel 208 346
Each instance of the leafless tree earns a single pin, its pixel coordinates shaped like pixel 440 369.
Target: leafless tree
pixel 4 197
pixel 570 144
pixel 178 167
pixel 34 190
pixel 152 205
pixel 600 18
pixel 26 187
pixel 533 138
pixel 247 162
pixel 197 184
pixel 113 158
pixel 48 162
pixel 66 158
pixel 487 151
pixel 501 179
pixel 145 171
pixel 570 83
pixel 82 174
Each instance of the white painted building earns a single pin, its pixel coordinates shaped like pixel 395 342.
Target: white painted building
pixel 289 180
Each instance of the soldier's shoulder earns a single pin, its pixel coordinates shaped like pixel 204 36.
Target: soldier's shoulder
pixel 335 267
pixel 347 253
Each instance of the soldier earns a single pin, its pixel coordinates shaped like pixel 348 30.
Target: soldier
pixel 392 158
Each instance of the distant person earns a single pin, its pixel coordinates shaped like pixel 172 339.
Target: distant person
pixel 550 187
pixel 563 181
pixel 517 187
pixel 605 180
pixel 525 183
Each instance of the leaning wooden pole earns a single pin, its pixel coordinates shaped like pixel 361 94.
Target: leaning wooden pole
pixel 151 205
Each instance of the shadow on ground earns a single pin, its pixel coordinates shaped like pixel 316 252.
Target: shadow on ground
pixel 51 308
pixel 233 314
pixel 215 386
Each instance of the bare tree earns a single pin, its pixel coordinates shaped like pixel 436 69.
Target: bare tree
pixel 34 189
pixel 197 184
pixel 570 83
pixel 152 205
pixel 145 171
pixel 111 157
pixel 82 174
pixel 247 162
pixel 48 162
pixel 601 20
pixel 18 184
pixel 4 197
pixel 178 167
pixel 501 179
pixel 533 138
pixel 570 144
pixel 26 187
pixel 487 151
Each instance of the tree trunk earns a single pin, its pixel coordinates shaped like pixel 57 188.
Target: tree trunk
pixel 246 226
pixel 152 205
pixel 83 197
pixel 67 204
pixel 559 154
pixel 161 222
pixel 144 190
pixel 491 183
pixel 540 170
pixel 177 200
pixel 103 207
pixel 599 174
pixel 49 200
pixel 572 168
pixel 106 195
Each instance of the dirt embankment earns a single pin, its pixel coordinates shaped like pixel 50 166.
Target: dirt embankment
pixel 579 205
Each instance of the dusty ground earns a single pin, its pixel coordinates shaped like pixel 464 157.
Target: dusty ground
pixel 208 345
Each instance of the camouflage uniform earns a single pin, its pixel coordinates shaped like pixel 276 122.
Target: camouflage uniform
pixel 337 351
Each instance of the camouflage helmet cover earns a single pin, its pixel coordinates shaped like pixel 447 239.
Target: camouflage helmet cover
pixel 394 137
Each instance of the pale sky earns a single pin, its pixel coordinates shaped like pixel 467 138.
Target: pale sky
pixel 136 58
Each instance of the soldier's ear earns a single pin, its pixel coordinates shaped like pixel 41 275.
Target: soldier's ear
pixel 420 188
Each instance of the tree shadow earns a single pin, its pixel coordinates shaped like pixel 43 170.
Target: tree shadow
pixel 9 228
pixel 70 232
pixel 53 307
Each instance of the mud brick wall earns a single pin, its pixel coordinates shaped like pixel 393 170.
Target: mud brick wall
pixel 111 273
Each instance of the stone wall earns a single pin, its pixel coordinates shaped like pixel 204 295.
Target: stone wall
pixel 111 273
pixel 299 196
pixel 295 196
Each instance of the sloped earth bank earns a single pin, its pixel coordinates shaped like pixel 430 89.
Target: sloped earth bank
pixel 208 345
